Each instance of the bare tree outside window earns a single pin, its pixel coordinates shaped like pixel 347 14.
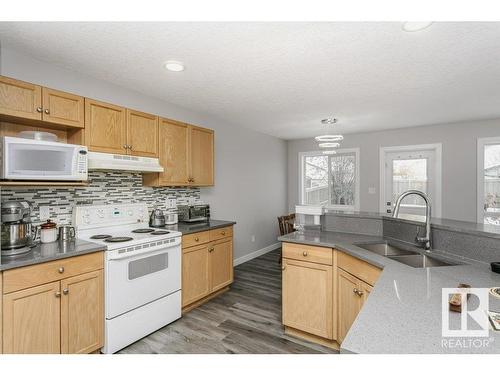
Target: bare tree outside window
pixel 343 179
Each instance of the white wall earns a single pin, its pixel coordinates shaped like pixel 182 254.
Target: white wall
pixel 250 167
pixel 458 162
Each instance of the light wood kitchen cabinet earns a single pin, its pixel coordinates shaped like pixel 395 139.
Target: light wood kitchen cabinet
pixel 195 274
pixel 142 134
pixel 1 313
pixel 308 297
pixel 31 320
pixel 63 108
pixel 207 265
pixel 63 314
pixel 187 154
pixel 31 103
pixel 201 156
pixel 82 313
pixel 105 127
pixel 20 99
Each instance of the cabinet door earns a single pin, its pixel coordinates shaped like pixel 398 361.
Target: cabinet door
pixel 20 99
pixel 202 156
pixel 195 274
pixel 105 127
pixel 63 108
pixel 221 264
pixel 307 297
pixel 82 313
pixel 31 320
pixel 173 152
pixel 142 134
pixel 349 302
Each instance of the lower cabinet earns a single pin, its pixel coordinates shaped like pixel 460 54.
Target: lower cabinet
pixel 207 265
pixel 308 297
pixel 323 290
pixel 63 316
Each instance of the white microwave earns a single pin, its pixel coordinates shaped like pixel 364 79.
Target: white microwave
pixel 29 159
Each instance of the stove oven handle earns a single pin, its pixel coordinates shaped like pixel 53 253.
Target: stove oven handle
pixel 145 254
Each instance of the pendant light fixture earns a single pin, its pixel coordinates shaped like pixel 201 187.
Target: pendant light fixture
pixel 329 141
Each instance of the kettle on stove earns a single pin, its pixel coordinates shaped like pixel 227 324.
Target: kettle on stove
pixel 157 218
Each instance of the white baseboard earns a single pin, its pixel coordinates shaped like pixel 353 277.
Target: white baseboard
pixel 257 253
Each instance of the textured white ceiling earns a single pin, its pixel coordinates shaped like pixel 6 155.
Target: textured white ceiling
pixel 282 78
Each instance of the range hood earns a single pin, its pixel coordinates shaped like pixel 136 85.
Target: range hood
pixel 113 162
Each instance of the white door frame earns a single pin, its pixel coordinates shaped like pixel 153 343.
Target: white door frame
pixel 438 148
pixel 481 142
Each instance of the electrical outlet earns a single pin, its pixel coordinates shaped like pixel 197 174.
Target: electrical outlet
pixel 372 190
pixel 253 238
pixel 44 213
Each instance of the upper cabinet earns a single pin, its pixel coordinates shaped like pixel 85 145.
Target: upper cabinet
pixel 20 99
pixel 187 154
pixel 63 108
pixel 105 127
pixel 202 156
pixel 26 102
pixel 142 134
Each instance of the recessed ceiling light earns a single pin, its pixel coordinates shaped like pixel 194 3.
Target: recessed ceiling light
pixel 329 120
pixel 174 66
pixel 416 26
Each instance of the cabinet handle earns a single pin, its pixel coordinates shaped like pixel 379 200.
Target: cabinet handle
pixel 39 109
pixel 283 268
pixel 223 233
pixel 130 147
pixel 211 249
pixel 357 291
pixel 47 112
pixel 66 291
pixel 304 253
pixel 58 294
pixel 61 269
pixel 125 147
pixel 197 239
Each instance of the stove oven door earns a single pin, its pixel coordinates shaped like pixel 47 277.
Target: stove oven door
pixel 134 280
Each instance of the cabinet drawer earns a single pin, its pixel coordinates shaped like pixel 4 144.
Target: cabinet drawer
pixel 25 277
pixel 322 255
pixel 195 239
pixel 217 234
pixel 359 268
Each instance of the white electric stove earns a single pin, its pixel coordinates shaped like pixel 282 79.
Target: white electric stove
pixel 142 270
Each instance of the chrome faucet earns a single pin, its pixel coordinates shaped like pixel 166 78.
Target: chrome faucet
pixel 425 240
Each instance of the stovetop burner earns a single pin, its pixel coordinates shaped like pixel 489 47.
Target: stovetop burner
pixel 159 232
pixel 100 236
pixel 143 230
pixel 118 239
pixel 495 292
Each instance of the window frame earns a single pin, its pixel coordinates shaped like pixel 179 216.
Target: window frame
pixel 481 143
pixel 354 151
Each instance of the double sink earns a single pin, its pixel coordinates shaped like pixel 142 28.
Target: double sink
pixel 408 257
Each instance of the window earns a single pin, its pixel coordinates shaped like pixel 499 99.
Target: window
pixel 330 180
pixel 488 181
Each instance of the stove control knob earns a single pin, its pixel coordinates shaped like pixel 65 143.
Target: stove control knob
pixel 130 212
pixel 87 220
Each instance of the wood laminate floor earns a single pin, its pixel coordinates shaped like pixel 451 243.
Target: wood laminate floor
pixel 246 319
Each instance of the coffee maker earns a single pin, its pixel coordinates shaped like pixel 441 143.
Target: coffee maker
pixel 16 230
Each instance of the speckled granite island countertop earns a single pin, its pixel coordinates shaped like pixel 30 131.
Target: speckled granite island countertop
pixel 403 312
pixel 50 251
pixel 187 228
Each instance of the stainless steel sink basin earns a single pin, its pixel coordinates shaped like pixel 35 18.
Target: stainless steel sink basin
pixel 421 261
pixel 385 249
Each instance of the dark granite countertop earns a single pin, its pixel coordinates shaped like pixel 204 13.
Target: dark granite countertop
pixel 403 313
pixel 50 251
pixel 187 228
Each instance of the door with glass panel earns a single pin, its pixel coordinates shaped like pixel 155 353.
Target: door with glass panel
pixel 410 170
pixel 489 181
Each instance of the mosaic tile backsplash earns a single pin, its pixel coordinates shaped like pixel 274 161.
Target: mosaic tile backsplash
pixel 104 188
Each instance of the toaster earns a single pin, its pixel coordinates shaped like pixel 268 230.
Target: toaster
pixel 193 212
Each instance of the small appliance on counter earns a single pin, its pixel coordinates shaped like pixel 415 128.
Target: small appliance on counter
pixel 157 218
pixel 17 236
pixel 171 219
pixel 194 212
